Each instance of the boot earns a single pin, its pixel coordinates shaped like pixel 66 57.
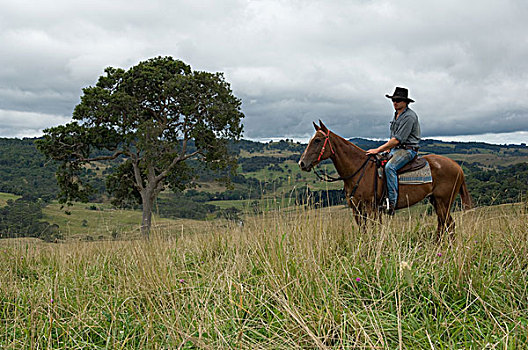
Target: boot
pixel 389 207
pixel 391 210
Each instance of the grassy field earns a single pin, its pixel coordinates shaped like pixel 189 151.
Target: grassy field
pixel 4 197
pixel 292 175
pixel 489 160
pixel 292 279
pixel 89 221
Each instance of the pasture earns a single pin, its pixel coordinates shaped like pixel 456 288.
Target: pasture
pixel 297 278
pixel 4 197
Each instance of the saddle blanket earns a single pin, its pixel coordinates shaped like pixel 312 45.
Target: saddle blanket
pixel 417 177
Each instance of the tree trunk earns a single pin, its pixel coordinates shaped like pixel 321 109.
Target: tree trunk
pixel 149 192
pixel 147 200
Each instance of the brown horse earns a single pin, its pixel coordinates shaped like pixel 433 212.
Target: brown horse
pixel 359 176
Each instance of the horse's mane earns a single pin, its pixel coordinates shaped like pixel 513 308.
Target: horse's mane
pixel 349 143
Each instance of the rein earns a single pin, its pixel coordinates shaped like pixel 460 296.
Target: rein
pixel 328 178
pixel 362 169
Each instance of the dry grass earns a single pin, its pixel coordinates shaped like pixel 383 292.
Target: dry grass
pixel 286 279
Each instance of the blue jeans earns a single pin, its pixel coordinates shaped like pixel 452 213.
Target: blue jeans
pixel 400 157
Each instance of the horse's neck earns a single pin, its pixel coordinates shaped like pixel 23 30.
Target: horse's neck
pixel 348 157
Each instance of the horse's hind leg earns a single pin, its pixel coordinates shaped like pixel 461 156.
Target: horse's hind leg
pixel 445 221
pixel 446 225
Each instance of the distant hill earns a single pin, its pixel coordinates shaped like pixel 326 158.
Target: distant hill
pixel 270 169
pixel 24 171
pixel 442 147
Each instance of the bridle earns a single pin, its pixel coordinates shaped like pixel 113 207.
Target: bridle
pixel 328 178
pixel 327 140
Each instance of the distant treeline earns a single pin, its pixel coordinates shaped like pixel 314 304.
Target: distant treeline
pixel 23 218
pixel 441 147
pixel 506 185
pixel 253 146
pixel 257 163
pixel 25 172
pixel 322 198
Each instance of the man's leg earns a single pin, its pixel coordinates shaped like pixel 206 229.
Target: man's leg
pixel 400 157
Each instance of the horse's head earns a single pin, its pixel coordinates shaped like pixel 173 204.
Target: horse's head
pixel 319 148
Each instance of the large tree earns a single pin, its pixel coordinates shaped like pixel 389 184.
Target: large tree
pixel 153 119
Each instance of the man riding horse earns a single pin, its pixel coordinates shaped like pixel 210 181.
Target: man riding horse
pixel 363 186
pixel 403 143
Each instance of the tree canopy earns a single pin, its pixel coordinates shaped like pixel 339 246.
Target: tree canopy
pixel 153 118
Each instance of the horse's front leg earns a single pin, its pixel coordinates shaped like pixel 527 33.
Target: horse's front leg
pixel 360 215
pixel 374 213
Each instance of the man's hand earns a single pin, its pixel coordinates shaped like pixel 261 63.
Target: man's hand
pixel 373 151
pixel 385 147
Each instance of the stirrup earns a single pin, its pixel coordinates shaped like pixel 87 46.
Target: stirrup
pixel 387 208
pixel 383 205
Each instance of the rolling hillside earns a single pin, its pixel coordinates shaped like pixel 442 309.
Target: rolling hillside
pixel 268 177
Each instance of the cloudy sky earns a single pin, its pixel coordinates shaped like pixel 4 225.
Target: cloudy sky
pixel 291 62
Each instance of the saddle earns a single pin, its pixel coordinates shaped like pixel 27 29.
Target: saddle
pixel 415 164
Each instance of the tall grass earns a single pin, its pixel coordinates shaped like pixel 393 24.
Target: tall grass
pixel 285 279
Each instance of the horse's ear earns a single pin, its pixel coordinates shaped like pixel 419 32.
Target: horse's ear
pixel 323 127
pixel 316 126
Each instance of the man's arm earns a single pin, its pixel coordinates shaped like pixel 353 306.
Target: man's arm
pixel 385 147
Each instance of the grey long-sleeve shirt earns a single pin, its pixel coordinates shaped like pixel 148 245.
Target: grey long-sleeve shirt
pixel 406 128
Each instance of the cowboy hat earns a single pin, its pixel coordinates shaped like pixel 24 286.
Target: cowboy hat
pixel 400 93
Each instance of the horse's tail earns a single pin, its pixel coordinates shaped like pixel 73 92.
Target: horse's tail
pixel 467 202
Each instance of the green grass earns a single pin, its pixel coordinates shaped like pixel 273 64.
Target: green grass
pixel 269 203
pixel 82 222
pixel 296 279
pixel 491 160
pixel 290 178
pixel 4 197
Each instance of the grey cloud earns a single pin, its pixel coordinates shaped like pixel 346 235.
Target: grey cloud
pixel 27 124
pixel 290 62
